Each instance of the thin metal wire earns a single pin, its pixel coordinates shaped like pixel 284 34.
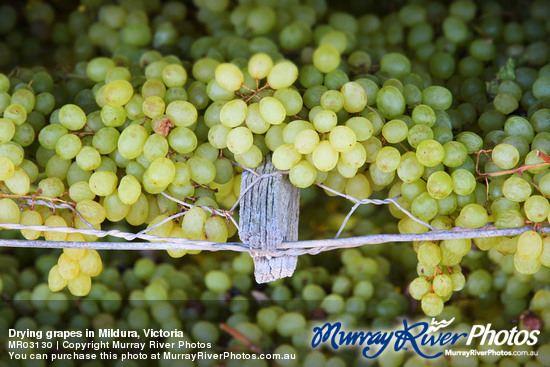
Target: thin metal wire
pixel 287 248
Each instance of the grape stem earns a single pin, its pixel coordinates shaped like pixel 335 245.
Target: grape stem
pixel 519 170
pixel 235 334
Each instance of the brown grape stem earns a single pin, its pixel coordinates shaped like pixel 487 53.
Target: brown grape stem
pixel 235 334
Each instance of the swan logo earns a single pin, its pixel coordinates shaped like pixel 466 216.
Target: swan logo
pixel 439 325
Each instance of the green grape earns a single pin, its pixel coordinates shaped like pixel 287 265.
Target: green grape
pixel 395 64
pixel 355 158
pixel 505 156
pixel 9 212
pixel 302 174
pixel 430 153
pixel 395 131
pixel 536 208
pixel 409 170
pixel 49 135
pixel 88 158
pixel 115 209
pixel 464 182
pixel 361 126
pixel 437 97
pixel 55 281
pixel 419 287
pixel 182 140
pixel 31 217
pixel 390 102
pixel 306 140
pixel 217 281
pixel 516 189
pixel 529 245
pixel 286 156
pixel 239 140
pixel 324 156
pixel 388 159
pixel 358 186
pixel 254 120
pixel 252 158
pixel 260 65
pixel 342 139
pixel 326 58
pixel 291 100
pixel 153 106
pixel 479 282
pixel 289 323
pixel 455 154
pixel 216 229
pixel 118 92
pixel 51 187
pixel 16 113
pixel 7 168
pixel 181 113
pixel 68 146
pixel 229 76
pixel 472 216
pixel 355 98
pixel 325 121
pixel 155 147
pixel 72 117
pixel 432 304
pixel 129 190
pixel 131 141
pixel 439 185
pixel 80 286
pixel 7 130
pixel 272 110
pixel 161 172
pixel 332 100
pixel 458 280
pixel 443 285
pixel 202 170
pixel 174 75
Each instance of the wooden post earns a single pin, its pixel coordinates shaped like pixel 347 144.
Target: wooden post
pixel 268 216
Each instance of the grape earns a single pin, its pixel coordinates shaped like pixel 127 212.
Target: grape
pixel 81 285
pixel 419 287
pixel 286 156
pixel 529 245
pixel 395 64
pixel 432 304
pixel 464 182
pixel 439 185
pixel 390 101
pixel 272 110
pixel 302 174
pixel 342 139
pixel 388 159
pixel 233 113
pixel 260 65
pixel 129 189
pixel 355 98
pixel 18 183
pixel 181 113
pixel 443 285
pixel 395 131
pixel 229 76
pixel 306 140
pixel 217 281
pixel 516 189
pixel 324 156
pixel 430 153
pixel 103 183
pixel 326 58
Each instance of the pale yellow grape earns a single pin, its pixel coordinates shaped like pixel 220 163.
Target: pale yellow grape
pixel 458 280
pixel 161 172
pixel 325 121
pixel 306 140
pixel 395 131
pixel 505 156
pixel 272 110
pixel 430 153
pixel 345 170
pixel 516 189
pixel 342 139
pixel 118 92
pixel 81 285
pixel 55 281
pixel 529 244
pixel 356 157
pixel 536 208
pixel 75 253
pixel 177 232
pixel 545 253
pixel 358 187
pixel 419 287
pixel 183 174
pixel 131 141
pixel 217 136
pixel 68 267
pixel 260 65
pixel 239 140
pixel 55 221
pixel 388 159
pixel 439 185
pixel 251 158
pixel 229 76
pixel 174 75
pixel 282 75
pixel 274 136
pixel 193 222
pixel 334 181
pixel 103 183
pixel 6 168
pixel 19 183
pixel 293 128
pixel 162 230
pixel 302 174
pixel 526 265
pixel 432 304
pixel 91 210
pixel 115 209
pixel 182 113
pixel 254 120
pixel 409 170
pixel 31 218
pixel 129 189
pixel 216 229
pixel 233 113
pixel 153 106
pixel 324 156
pixel 139 211
pixel 361 126
pixel 355 98
pixel 291 99
pixel 91 263
pixel 285 157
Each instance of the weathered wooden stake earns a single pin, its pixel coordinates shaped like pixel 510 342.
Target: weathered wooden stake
pixel 269 214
